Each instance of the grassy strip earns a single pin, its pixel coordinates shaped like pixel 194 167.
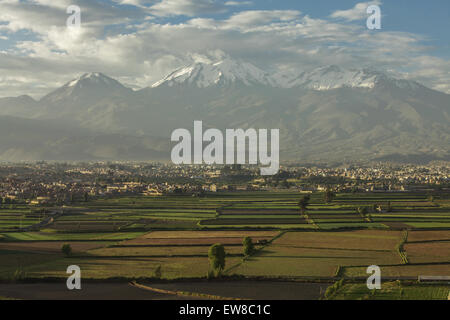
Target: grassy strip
pixel 333 290
pixel 310 220
pixel 401 250
pixel 338 271
pixel 181 293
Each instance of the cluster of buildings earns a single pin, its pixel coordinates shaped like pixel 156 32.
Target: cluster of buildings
pixel 438 174
pixel 62 183
pixel 378 177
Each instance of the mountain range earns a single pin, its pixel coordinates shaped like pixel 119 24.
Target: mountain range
pixel 326 114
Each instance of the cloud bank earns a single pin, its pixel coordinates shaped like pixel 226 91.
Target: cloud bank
pixel 138 42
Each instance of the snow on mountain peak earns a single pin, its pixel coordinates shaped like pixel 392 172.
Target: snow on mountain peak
pixel 335 77
pixel 93 78
pixel 223 72
pixel 327 78
pixel 203 74
pixel 89 84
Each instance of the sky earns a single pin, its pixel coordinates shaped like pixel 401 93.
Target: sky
pixel 138 42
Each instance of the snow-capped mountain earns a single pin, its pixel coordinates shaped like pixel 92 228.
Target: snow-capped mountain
pixel 89 85
pixel 224 72
pixel 328 113
pixel 229 71
pixel 94 78
pixel 334 77
pixel 76 98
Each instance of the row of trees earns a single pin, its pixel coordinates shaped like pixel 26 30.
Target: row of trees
pixel 304 201
pixel 217 254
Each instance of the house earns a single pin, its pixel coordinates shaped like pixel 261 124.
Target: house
pixel 40 200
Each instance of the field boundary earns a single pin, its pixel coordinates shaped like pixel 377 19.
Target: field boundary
pixel 180 293
pixel 401 250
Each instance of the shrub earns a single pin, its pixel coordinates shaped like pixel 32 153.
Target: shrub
pixel 330 291
pixel 333 289
pixel 66 249
pixel 249 247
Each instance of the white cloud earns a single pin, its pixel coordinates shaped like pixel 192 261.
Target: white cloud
pixel 261 17
pixel 238 3
pixel 126 43
pixel 358 12
pixel 187 7
pixel 251 21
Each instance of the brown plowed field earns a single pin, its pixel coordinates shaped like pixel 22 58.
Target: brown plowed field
pixel 414 236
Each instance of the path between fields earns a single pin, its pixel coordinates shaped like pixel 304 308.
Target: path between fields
pixel 181 293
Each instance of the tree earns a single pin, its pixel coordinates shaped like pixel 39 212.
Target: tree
pixel 86 197
pixel 66 249
pixel 329 196
pixel 216 257
pixel 249 247
pixel 303 203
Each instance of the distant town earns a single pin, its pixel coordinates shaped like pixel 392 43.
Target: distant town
pixel 63 183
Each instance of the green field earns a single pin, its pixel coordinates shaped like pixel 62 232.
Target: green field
pixel 393 291
pixel 243 209
pixel 130 237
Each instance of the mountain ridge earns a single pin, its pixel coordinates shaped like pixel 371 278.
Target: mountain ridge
pixel 226 71
pixel 328 113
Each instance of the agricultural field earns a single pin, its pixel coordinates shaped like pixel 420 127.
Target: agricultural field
pixel 242 210
pixel 426 252
pixel 394 290
pixel 254 290
pixel 17 217
pixel 127 238
pixel 322 255
pixel 91 291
